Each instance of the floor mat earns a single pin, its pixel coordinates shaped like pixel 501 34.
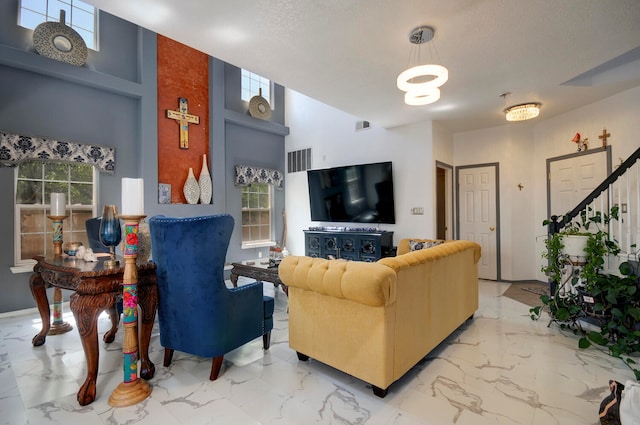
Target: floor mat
pixel 527 292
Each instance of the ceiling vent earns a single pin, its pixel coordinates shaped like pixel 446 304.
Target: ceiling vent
pixel 362 125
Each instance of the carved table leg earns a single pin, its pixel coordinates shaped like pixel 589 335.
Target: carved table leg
pixel 234 279
pixel 110 335
pixel 86 309
pixel 39 292
pixel 148 302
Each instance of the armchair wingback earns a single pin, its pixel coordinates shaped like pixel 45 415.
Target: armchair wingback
pixel 197 313
pixel 92 226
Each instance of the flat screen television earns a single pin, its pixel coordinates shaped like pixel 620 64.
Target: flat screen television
pixel 356 193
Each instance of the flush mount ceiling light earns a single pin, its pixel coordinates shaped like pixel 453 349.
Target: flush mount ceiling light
pixel 421 82
pixel 523 112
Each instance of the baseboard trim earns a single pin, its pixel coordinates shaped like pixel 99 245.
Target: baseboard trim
pixel 29 311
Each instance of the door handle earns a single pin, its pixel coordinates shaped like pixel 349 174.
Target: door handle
pixel 492 228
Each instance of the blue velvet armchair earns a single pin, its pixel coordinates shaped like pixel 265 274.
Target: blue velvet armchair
pixel 93 234
pixel 197 313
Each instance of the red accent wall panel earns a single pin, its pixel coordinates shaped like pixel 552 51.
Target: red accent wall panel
pixel 183 72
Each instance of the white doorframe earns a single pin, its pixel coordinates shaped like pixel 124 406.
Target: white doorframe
pixel 496 189
pixel 448 199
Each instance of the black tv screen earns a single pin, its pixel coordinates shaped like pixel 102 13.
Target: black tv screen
pixel 356 193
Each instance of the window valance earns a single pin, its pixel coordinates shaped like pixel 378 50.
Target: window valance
pixel 246 174
pixel 15 149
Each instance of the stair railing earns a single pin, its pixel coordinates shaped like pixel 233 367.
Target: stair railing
pixel 620 188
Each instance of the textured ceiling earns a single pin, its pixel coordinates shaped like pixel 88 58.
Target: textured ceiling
pixel 348 53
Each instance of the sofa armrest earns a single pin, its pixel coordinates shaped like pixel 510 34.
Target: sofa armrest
pixel 371 284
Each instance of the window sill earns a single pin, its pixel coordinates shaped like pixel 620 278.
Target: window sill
pixel 23 268
pixel 257 245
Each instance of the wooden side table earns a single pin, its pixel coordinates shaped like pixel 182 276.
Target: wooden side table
pixel 96 289
pixel 259 272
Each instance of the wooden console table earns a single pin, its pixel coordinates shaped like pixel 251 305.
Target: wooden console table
pixel 258 272
pixel 96 289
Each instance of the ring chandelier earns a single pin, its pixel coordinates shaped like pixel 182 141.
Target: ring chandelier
pixel 422 82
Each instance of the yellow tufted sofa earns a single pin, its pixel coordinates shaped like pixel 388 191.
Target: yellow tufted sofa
pixel 375 321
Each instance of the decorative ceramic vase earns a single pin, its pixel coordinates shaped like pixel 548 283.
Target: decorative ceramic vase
pixel 205 182
pixel 191 188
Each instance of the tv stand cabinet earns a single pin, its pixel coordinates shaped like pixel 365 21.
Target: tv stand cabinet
pixel 350 245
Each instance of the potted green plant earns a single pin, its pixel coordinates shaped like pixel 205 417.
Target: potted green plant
pixel 564 303
pixel 616 303
pixel 583 289
pixel 584 242
pixel 564 250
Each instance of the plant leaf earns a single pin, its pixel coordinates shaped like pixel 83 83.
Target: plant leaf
pixel 534 312
pixel 562 314
pixel 597 338
pixel 584 343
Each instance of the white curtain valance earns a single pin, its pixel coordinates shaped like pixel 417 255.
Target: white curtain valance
pixel 15 149
pixel 246 174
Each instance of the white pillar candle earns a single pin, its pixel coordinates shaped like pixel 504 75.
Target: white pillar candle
pixel 58 204
pixel 132 196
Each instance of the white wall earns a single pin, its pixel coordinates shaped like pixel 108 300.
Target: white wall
pixel 520 149
pixel 334 140
pixel 618 114
pixel 511 147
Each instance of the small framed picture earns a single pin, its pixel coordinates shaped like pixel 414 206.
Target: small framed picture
pixel 164 193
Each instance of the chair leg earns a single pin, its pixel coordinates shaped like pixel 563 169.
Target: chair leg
pixel 168 356
pixel 266 340
pixel 216 364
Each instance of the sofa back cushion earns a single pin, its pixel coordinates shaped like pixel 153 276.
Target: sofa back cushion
pixel 365 283
pixel 408 258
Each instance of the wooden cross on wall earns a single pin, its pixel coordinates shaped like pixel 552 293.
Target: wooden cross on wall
pixel 184 119
pixel 603 137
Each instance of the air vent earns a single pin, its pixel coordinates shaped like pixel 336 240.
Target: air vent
pixel 362 125
pixel 299 160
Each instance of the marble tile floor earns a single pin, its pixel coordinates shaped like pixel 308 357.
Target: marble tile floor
pixel 502 368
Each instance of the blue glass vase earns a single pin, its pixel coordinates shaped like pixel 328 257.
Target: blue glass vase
pixel 110 232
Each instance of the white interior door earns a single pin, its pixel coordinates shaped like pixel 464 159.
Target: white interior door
pixel 572 179
pixel 477 196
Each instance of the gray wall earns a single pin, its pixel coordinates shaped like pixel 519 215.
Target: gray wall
pixel 112 100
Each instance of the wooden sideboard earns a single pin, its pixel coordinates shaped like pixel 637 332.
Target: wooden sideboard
pixel 349 245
